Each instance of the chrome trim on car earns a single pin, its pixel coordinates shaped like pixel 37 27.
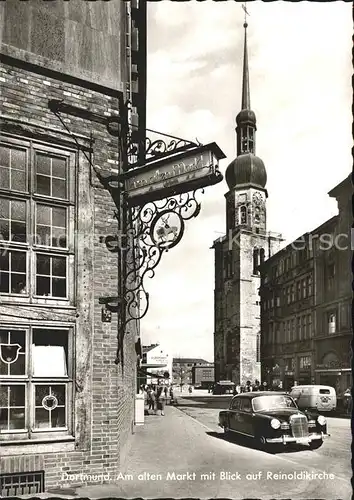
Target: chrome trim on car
pixel 291 439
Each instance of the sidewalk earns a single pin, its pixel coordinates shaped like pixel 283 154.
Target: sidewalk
pixel 163 444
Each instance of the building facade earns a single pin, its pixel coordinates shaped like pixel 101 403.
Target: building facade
pixel 182 369
pixel 156 361
pixel 238 254
pixel 66 406
pixel 306 296
pixel 203 376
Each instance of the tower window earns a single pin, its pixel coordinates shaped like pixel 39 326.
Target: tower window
pixel 255 260
pixel 261 254
pixel 243 215
pixel 257 216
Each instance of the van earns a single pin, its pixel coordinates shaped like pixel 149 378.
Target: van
pixel 322 398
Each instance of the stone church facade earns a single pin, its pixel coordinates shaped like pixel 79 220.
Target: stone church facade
pixel 239 253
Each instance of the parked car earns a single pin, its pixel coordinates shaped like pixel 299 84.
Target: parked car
pixel 272 418
pixel 322 398
pixel 223 387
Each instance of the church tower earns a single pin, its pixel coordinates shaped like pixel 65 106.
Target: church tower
pixel 239 253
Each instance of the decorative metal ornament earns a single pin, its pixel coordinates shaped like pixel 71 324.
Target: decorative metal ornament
pixel 9 353
pixel 167 229
pixel 154 228
pixel 49 402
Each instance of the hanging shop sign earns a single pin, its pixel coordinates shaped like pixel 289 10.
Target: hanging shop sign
pixel 177 173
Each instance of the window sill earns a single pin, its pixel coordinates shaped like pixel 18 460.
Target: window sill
pixel 27 447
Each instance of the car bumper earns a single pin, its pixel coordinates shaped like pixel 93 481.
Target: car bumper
pixel 291 439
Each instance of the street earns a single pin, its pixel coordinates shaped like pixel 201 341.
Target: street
pixel 177 456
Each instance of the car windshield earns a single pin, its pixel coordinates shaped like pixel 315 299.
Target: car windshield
pixel 265 403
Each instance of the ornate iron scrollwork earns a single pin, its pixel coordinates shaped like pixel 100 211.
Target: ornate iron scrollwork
pixel 155 228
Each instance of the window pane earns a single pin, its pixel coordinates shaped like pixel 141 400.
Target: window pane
pixel 59 188
pixel 18 160
pixel 3 395
pixel 59 287
pixel 18 180
pixel 4 156
pixel 4 282
pixel 58 417
pixel 51 352
pixel 17 418
pixel 59 168
pixel 43 286
pixel 18 283
pixel 41 418
pixel 4 230
pixel 43 236
pixel 4 208
pixel 42 164
pixel 59 266
pixel 4 177
pixel 18 261
pixel 43 185
pixel 18 210
pixel 43 215
pixel 59 392
pixel 40 392
pixel 4 416
pixel 43 264
pixel 59 217
pixel 18 230
pixel 17 395
pixel 59 237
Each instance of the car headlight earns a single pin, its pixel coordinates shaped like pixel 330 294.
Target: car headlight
pixel 275 423
pixel 321 420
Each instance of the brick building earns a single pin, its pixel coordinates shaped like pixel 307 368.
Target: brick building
pixel 65 405
pixel 203 376
pixel 306 296
pixel 182 369
pixel 238 254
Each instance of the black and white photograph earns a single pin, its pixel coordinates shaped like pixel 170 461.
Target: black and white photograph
pixel 175 249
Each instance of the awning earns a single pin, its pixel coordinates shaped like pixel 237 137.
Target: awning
pixel 143 373
pixel 332 370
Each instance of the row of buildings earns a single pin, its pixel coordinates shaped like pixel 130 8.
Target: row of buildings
pixel 159 367
pixel 281 316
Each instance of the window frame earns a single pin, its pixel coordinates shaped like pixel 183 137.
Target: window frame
pixel 31 434
pixel 33 200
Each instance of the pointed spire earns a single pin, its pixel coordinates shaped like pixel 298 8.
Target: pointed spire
pixel 246 100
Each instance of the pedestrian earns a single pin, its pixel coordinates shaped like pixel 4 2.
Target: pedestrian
pixel 171 394
pixel 151 398
pixel 165 391
pixel 256 385
pixel 160 403
pixel 347 400
pixel 248 386
pixel 190 389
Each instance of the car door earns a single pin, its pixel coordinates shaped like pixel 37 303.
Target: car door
pixel 246 416
pixel 234 414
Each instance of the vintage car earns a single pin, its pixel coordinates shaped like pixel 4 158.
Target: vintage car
pixel 272 418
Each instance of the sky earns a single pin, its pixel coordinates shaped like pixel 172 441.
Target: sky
pixel 300 78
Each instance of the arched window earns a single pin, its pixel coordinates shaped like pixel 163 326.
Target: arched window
pixel 243 215
pixel 262 255
pixel 255 260
pixel 257 215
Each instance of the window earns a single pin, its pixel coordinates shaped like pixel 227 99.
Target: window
pixel 36 235
pixel 262 255
pixel 309 326
pixel 331 323
pixel 288 297
pixel 243 215
pixel 246 405
pixel 292 293
pixel 36 382
pixel 304 289
pixel 255 260
pixel 257 216
pixel 304 362
pixel 309 286
pixel 235 404
pixel 298 328
pixel 277 301
pixel 293 330
pixel 303 327
pixel 329 275
pixel 298 290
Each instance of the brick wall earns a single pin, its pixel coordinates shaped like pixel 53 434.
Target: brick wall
pixel 104 396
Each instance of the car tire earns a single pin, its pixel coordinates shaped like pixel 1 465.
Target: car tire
pixel 261 443
pixel 316 444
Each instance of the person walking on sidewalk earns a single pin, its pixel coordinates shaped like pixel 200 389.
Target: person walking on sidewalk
pixel 160 402
pixel 151 398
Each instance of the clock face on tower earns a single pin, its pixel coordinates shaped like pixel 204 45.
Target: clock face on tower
pixel 257 199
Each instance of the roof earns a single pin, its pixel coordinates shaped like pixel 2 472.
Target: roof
pixel 188 360
pixel 147 348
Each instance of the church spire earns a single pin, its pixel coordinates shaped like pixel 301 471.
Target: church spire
pixel 246 101
pixel 246 119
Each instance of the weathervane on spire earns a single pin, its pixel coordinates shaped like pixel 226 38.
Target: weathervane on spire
pixel 246 14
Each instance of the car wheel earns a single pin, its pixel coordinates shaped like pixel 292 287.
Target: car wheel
pixel 261 443
pixel 314 445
